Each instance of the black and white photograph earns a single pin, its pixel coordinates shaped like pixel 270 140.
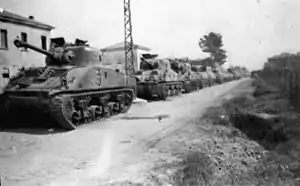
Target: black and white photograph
pixel 149 93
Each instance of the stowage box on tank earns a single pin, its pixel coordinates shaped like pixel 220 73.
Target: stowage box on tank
pixel 72 89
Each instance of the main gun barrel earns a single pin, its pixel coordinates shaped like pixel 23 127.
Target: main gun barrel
pixel 19 43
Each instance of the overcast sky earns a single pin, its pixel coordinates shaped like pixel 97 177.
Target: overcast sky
pixel 252 29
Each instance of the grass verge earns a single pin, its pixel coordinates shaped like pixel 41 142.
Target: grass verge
pixel 265 119
pixel 251 139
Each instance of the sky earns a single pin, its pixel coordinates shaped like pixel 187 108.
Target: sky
pixel 252 30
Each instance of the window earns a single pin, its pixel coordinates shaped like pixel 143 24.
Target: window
pixel 5 73
pixel 24 38
pixel 44 42
pixel 3 39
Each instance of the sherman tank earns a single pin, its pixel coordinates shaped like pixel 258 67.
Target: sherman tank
pixel 156 80
pixel 202 76
pixel 194 78
pixel 221 75
pixel 73 88
pixel 190 79
pixel 227 76
pixel 212 76
pixel 183 76
pixel 236 75
pixel 207 76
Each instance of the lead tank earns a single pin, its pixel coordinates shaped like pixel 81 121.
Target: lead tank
pixel 73 88
pixel 156 80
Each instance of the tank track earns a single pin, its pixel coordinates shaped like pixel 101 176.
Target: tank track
pixel 192 85
pixel 160 90
pixel 195 85
pixel 69 110
pixel 173 89
pixel 77 109
pixel 187 88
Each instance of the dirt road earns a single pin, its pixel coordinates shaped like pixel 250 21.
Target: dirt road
pixel 101 151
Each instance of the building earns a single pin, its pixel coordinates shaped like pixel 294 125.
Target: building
pixel 114 55
pixel 27 29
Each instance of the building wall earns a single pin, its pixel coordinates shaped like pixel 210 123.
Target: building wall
pixel 14 58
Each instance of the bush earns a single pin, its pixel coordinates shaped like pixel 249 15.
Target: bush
pixel 197 169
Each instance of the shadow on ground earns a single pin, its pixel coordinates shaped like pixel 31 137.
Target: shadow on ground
pixel 34 131
pixel 266 117
pixel 30 124
pixel 158 117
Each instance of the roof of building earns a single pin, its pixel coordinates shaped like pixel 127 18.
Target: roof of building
pixel 6 16
pixel 121 46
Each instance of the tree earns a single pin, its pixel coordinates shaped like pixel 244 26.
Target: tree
pixel 212 43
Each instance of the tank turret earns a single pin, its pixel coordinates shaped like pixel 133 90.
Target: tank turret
pixel 177 67
pixel 158 70
pixel 146 64
pixel 62 53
